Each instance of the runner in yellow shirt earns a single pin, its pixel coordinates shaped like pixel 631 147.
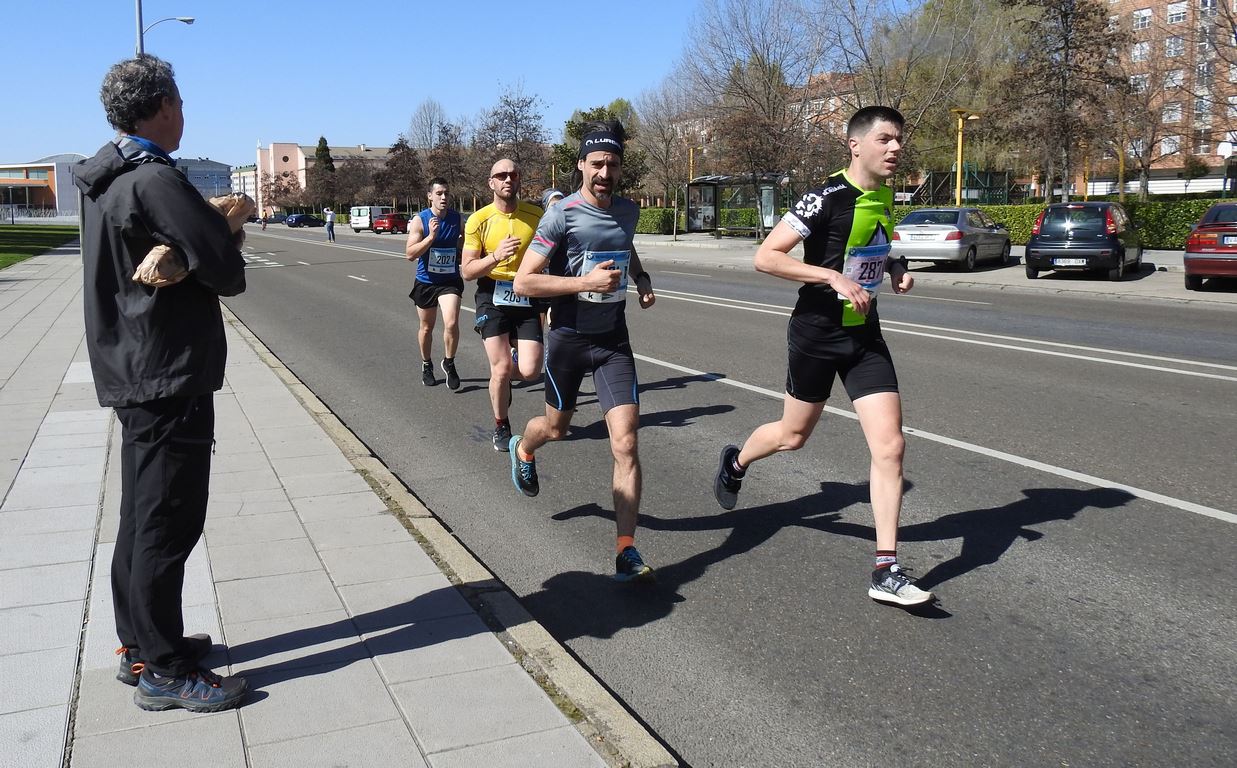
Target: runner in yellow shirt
pixel 495 239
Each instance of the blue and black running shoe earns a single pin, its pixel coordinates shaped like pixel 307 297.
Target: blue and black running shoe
pixel 523 473
pixel 629 566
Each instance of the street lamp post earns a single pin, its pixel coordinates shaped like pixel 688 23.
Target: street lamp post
pixel 141 31
pixel 963 115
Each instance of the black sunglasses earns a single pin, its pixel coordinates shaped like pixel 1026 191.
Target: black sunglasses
pixel 504 175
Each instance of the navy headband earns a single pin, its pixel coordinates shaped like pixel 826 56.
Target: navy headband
pixel 601 141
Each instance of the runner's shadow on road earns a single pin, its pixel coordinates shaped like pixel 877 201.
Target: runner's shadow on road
pixel 683 417
pixel 579 604
pixel 583 604
pixel 987 534
pixel 680 382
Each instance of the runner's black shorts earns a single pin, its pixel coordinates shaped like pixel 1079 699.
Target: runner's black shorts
pixel 608 356
pixel 425 295
pixel 819 353
pixel 521 322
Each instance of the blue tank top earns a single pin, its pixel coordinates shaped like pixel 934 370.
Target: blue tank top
pixel 440 265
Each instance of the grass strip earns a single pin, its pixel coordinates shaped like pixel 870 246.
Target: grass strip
pixel 19 242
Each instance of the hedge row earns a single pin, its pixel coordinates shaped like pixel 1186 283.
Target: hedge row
pixel 1163 225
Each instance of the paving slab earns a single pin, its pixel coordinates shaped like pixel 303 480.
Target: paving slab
pixel 45 548
pixel 436 647
pixel 383 605
pixel 41 627
pixel 560 746
pixel 36 679
pixel 20 522
pixel 379 745
pixel 34 738
pixel 252 529
pixel 340 506
pixel 43 584
pixel 213 740
pixel 304 640
pixel 246 561
pixel 470 708
pixel 356 532
pixel 271 597
pixel 301 701
pixel 376 562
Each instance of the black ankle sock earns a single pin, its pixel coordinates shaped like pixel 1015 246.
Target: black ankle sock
pixel 735 468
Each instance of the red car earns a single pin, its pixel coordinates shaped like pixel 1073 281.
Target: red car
pixel 1211 248
pixel 391 222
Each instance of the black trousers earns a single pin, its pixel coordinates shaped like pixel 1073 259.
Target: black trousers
pixel 165 478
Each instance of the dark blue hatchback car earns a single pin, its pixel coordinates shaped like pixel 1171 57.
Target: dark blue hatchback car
pixel 1086 237
pixel 304 220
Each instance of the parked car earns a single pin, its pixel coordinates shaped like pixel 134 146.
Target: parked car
pixel 959 236
pixel 1084 236
pixel 391 222
pixel 1211 248
pixel 304 220
pixel 362 216
pixel 277 218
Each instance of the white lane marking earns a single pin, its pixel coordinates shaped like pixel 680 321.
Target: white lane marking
pixel 1078 347
pixel 354 277
pixel 937 298
pixel 1099 482
pixel 689 274
pixel 337 245
pixel 898 327
pixel 303 263
pixel 1089 358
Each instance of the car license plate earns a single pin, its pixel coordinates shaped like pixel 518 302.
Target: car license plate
pixel 923 237
pixel 1069 262
pixel 1230 239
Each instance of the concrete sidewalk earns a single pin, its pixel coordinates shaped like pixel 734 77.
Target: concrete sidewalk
pixel 313 578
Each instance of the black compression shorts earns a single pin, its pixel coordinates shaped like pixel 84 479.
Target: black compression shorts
pixel 859 356
pixel 608 356
pixel 521 322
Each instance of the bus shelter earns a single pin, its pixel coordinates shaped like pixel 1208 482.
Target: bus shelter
pixel 734 202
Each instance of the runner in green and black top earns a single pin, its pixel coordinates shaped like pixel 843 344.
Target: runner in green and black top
pixel 845 227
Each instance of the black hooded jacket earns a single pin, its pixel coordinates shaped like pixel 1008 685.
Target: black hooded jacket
pixel 148 343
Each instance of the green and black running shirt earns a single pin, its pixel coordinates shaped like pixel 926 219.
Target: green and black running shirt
pixel 838 220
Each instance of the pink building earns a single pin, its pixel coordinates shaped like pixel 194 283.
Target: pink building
pixel 278 157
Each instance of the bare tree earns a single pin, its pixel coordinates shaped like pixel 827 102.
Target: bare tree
pixel 281 190
pixel 513 128
pixel 426 124
pixel 354 181
pixel 662 137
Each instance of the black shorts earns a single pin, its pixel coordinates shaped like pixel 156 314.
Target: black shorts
pixel 425 295
pixel 818 353
pixel 521 322
pixel 608 356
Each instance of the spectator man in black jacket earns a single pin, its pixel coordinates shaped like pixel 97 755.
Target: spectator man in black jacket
pixel 158 356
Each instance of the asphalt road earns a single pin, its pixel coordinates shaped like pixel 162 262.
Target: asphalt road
pixel 1071 501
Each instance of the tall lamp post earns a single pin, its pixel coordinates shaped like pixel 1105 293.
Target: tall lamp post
pixel 963 115
pixel 141 31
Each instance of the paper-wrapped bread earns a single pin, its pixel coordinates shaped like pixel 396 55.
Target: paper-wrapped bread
pixel 236 207
pixel 165 266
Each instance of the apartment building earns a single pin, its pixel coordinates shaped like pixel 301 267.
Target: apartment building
pixel 1182 60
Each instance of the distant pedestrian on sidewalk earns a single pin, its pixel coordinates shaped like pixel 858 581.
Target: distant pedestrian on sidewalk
pixel 158 356
pixel 329 214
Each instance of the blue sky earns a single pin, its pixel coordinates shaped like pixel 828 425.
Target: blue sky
pixel 259 70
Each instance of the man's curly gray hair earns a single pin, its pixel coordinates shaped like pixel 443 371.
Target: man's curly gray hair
pixel 134 89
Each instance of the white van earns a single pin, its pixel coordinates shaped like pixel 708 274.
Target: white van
pixel 362 216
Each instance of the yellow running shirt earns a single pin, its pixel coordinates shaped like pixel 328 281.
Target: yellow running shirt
pixel 487 228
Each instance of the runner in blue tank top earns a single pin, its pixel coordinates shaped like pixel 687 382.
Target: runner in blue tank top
pixel 434 242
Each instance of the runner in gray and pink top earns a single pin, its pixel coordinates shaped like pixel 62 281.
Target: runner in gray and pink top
pixel 584 245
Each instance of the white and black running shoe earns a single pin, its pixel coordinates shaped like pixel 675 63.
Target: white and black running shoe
pixel 893 585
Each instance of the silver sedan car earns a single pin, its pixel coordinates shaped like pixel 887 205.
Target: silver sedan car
pixel 960 236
